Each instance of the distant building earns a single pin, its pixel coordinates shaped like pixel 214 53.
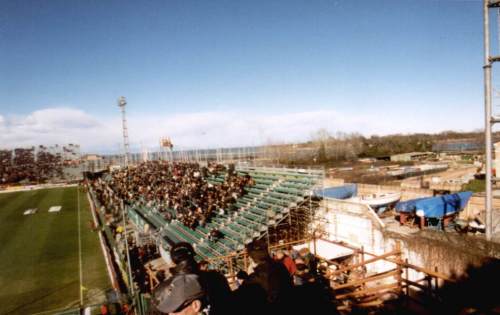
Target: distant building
pixel 458 145
pixel 91 157
pixel 71 152
pixel 411 156
pixel 367 160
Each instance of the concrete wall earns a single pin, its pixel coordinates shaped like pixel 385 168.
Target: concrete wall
pixel 406 192
pixel 453 187
pixel 476 206
pixel 450 253
pixel 357 225
pixel 332 182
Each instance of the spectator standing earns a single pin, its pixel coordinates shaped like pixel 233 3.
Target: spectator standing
pixel 104 309
pixel 268 287
pixel 309 260
pixel 287 261
pixel 241 276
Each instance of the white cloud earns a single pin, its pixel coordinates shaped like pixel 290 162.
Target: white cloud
pixel 52 126
pixel 188 130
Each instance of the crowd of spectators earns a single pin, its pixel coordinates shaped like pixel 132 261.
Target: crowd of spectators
pixel 48 165
pixel 27 165
pixel 5 166
pixel 179 191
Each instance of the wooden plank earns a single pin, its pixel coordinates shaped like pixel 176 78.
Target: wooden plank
pixel 376 296
pixel 370 304
pixel 424 270
pixel 379 276
pixel 366 262
pixel 368 291
pixel 415 284
pixel 344 244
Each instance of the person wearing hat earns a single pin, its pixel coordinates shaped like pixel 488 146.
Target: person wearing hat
pixel 182 294
pixel 216 285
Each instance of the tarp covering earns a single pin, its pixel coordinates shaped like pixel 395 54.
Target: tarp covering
pixel 436 207
pixel 340 192
pixel 408 205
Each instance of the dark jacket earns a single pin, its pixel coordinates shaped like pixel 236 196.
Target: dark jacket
pixel 267 288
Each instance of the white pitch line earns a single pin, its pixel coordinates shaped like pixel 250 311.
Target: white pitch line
pixel 107 259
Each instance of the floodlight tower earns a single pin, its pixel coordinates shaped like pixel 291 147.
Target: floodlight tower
pixel 122 103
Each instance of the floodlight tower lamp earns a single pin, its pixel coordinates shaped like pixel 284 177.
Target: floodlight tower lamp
pixel 122 103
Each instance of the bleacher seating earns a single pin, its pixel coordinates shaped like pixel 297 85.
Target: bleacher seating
pixel 265 204
pixel 31 165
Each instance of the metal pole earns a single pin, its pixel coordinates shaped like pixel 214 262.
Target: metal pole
pixel 131 280
pixel 487 111
pixel 498 25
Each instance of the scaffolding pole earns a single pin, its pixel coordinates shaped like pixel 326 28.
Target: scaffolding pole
pixel 488 118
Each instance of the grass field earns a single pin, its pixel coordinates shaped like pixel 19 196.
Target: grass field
pixel 39 253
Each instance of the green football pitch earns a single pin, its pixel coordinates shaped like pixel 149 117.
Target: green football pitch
pixel 40 252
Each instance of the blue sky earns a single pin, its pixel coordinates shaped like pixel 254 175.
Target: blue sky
pixel 235 71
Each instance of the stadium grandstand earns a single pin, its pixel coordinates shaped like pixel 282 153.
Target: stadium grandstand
pixel 39 164
pixel 218 209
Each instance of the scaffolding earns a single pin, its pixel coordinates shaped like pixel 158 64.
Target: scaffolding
pixel 297 224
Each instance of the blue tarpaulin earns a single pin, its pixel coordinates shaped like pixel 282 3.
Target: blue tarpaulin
pixel 409 205
pixel 436 207
pixel 340 192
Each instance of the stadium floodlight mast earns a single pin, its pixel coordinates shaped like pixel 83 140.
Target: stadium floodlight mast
pixel 122 103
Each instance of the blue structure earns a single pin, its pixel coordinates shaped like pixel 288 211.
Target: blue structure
pixel 436 207
pixel 340 192
pixel 408 206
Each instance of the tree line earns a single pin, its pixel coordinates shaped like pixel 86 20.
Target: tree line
pixel 324 146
